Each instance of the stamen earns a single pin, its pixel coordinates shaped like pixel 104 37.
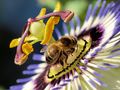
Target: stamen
pixel 66 16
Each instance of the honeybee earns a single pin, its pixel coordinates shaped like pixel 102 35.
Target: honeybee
pixel 59 51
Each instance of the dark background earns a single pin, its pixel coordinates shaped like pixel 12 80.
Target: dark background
pixel 13 15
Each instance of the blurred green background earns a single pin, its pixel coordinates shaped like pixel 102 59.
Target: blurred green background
pixel 13 15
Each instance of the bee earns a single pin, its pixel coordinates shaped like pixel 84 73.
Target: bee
pixel 59 51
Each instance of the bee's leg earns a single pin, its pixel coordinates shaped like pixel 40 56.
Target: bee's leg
pixel 69 51
pixel 60 59
pixel 65 58
pixel 72 50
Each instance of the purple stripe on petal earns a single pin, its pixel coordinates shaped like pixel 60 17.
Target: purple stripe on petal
pixel 68 80
pixel 30 72
pixel 16 87
pixel 95 8
pixel 116 54
pixel 103 68
pixel 117 28
pixel 64 84
pixel 115 50
pixel 65 29
pixel 75 77
pixel 117 13
pixel 101 83
pixel 37 57
pixel 94 72
pixel 116 7
pixel 117 43
pixel 56 88
pixel 72 30
pixel 102 8
pixel 92 83
pixel 58 33
pixel 86 61
pixel 107 8
pixel 97 74
pixel 82 67
pixel 79 88
pixel 89 81
pixel 110 65
pixel 78 22
pixel 88 12
pixel 23 80
pixel 33 66
pixel 94 54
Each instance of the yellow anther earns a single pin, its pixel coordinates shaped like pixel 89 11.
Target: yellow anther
pixel 56 20
pixel 57 7
pixel 27 48
pixel 49 29
pixel 48 32
pixel 52 21
pixel 42 13
pixel 14 43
